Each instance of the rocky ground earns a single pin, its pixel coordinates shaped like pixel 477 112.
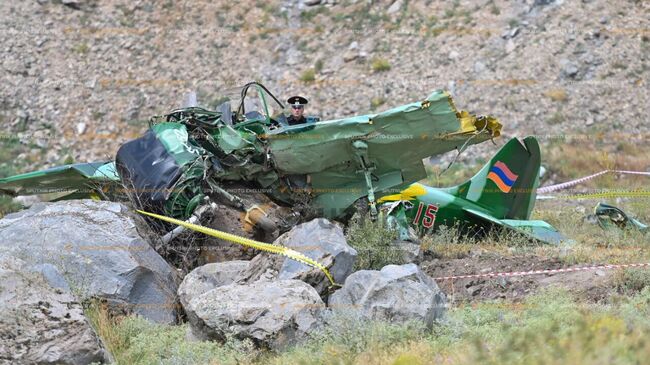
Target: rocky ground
pixel 62 261
pixel 81 76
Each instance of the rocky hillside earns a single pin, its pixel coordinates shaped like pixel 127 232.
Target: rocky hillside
pixel 82 76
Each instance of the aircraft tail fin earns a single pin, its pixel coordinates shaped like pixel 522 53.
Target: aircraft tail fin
pixel 506 185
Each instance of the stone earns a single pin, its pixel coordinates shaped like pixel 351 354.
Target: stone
pixel 26 200
pixel 74 4
pixel 410 251
pixel 350 56
pixel 479 67
pixel 395 7
pixel 81 128
pixel 98 248
pixel 207 277
pixel 569 69
pixel 40 323
pixel 396 293
pixel 318 239
pixel 272 314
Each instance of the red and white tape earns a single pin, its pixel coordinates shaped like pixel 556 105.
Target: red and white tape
pixel 540 272
pixel 568 184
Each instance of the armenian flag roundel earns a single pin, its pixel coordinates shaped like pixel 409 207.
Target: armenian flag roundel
pixel 501 175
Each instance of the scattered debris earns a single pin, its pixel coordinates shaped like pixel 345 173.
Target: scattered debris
pixel 608 217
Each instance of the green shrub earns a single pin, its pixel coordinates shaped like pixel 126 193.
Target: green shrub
pixel 318 66
pixel 376 102
pixel 346 337
pixel 630 281
pixel 308 75
pixel 373 242
pixel 380 64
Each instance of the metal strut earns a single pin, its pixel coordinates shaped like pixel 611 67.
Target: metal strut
pixel 361 152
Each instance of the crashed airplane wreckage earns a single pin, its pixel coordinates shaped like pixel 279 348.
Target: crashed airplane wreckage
pixel 192 157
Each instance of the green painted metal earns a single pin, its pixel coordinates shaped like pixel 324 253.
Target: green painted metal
pixel 482 203
pixel 609 216
pixel 83 179
pixel 248 147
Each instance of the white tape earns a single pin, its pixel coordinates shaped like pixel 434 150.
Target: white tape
pixel 568 184
pixel 540 272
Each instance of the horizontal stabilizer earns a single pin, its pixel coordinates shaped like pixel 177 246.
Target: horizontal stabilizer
pixel 535 229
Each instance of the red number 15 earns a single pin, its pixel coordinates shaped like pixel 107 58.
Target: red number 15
pixel 429 215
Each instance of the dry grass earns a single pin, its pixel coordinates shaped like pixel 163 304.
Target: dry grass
pixel 557 95
pixel 571 158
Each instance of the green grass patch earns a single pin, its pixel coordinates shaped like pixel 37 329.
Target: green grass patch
pixel 379 64
pixel 134 340
pixel 551 327
pixel 308 76
pixel 10 148
pixel 547 328
pixel 376 102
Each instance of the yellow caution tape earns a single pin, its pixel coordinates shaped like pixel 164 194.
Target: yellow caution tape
pixel 280 250
pixel 608 194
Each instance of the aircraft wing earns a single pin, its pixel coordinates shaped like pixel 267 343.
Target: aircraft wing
pixel 536 229
pixel 80 180
pixel 395 143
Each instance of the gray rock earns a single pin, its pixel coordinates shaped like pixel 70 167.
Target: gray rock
pixel 543 2
pixel 318 239
pixel 273 314
pixel 26 200
pixel 350 56
pixel 395 293
pixel 41 324
pixel 207 277
pixel 410 250
pixel 74 4
pixel 569 69
pixel 395 7
pixel 96 246
pixel 479 67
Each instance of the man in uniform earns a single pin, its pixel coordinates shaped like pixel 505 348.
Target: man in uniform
pixel 297 104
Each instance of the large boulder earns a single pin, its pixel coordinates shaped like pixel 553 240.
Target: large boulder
pixel 207 277
pixel 41 323
pixel 273 314
pixel 96 247
pixel 396 293
pixel 318 239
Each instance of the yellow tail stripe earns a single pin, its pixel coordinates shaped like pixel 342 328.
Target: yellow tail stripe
pixel 280 250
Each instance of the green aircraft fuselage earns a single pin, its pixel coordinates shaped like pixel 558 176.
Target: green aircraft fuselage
pixel 501 194
pixel 193 153
pixel 437 207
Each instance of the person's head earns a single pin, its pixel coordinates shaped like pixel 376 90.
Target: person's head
pixel 297 106
pixel 297 110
